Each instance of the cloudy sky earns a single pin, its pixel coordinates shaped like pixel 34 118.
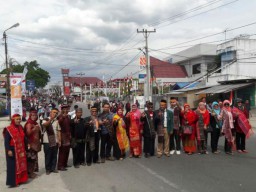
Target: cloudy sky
pixel 99 37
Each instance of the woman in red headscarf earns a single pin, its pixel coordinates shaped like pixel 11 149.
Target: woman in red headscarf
pixel 16 160
pixel 135 129
pixel 203 121
pixel 188 118
pixel 121 142
pixel 228 126
pixel 32 132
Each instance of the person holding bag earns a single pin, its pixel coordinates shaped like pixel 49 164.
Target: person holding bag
pixel 188 124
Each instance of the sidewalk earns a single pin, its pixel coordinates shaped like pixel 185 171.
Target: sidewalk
pixel 47 183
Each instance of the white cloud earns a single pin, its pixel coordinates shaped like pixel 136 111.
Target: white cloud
pixel 91 29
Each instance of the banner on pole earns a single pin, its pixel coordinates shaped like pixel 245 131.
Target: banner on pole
pixel 16 94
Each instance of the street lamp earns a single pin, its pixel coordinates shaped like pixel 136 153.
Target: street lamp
pixel 7 69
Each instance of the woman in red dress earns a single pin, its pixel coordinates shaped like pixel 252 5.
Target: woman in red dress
pixel 16 159
pixel 188 117
pixel 135 129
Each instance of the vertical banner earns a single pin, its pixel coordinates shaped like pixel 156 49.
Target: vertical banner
pixel 16 94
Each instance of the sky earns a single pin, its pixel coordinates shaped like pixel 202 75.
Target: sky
pixel 99 37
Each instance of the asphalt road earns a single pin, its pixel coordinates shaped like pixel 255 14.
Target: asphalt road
pixel 196 173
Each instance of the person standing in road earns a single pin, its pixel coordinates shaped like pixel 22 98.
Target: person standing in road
pixel 228 126
pixel 242 125
pixel 149 133
pixel 50 141
pixel 164 123
pixel 175 132
pixel 78 131
pixel 203 121
pixel 188 125
pixel 14 141
pixel 216 125
pixel 106 133
pixel 135 131
pixel 65 138
pixel 33 133
pixel 121 141
pixel 92 127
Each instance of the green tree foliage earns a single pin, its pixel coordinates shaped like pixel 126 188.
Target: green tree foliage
pixel 36 73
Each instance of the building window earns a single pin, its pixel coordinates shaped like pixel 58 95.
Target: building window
pixel 196 69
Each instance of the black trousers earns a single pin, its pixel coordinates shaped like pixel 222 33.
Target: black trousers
pixel 202 144
pixel 89 154
pixel 149 145
pixel 105 146
pixel 240 141
pixel 78 154
pixel 96 151
pixel 175 140
pixel 50 154
pixel 227 146
pixel 215 135
pixel 117 153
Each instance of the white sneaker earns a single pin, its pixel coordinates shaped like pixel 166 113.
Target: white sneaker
pixel 178 152
pixel 172 152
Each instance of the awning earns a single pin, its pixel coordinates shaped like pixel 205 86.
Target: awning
pixel 223 88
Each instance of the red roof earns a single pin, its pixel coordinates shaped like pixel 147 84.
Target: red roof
pixel 163 69
pixel 85 80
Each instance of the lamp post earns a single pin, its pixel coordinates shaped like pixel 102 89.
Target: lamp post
pixel 8 70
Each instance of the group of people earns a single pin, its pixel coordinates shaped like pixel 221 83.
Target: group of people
pixel 109 136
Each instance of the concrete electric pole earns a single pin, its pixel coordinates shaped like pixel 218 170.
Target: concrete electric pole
pixel 148 92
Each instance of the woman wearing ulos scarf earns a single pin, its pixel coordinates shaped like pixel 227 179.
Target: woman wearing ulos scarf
pixel 135 129
pixel 32 132
pixel 228 126
pixel 203 120
pixel 16 160
pixel 188 117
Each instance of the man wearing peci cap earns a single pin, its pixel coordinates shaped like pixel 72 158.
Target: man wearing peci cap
pixel 164 125
pixel 65 138
pixel 78 131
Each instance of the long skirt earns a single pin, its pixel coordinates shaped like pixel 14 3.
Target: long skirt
pixel 189 145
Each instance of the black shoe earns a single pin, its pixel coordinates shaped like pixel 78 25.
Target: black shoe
pixel 102 160
pixel 89 164
pixel 76 166
pixel 55 171
pixel 48 172
pixel 68 166
pixel 111 158
pixel 62 169
pixel 83 164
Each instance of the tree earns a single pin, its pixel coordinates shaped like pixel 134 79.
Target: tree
pixel 36 73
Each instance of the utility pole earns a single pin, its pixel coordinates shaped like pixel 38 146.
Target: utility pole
pixel 8 93
pixel 81 87
pixel 148 92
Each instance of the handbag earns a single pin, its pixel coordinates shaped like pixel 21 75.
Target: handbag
pixel 187 129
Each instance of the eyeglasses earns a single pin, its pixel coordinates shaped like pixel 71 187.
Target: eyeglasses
pixel 226 104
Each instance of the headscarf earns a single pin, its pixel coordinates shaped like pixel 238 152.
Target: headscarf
pixel 122 115
pixel 200 110
pixel 30 121
pixel 225 107
pixel 217 111
pixel 137 111
pixel 15 116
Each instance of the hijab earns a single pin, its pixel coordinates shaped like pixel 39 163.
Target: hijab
pixel 227 108
pixel 217 111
